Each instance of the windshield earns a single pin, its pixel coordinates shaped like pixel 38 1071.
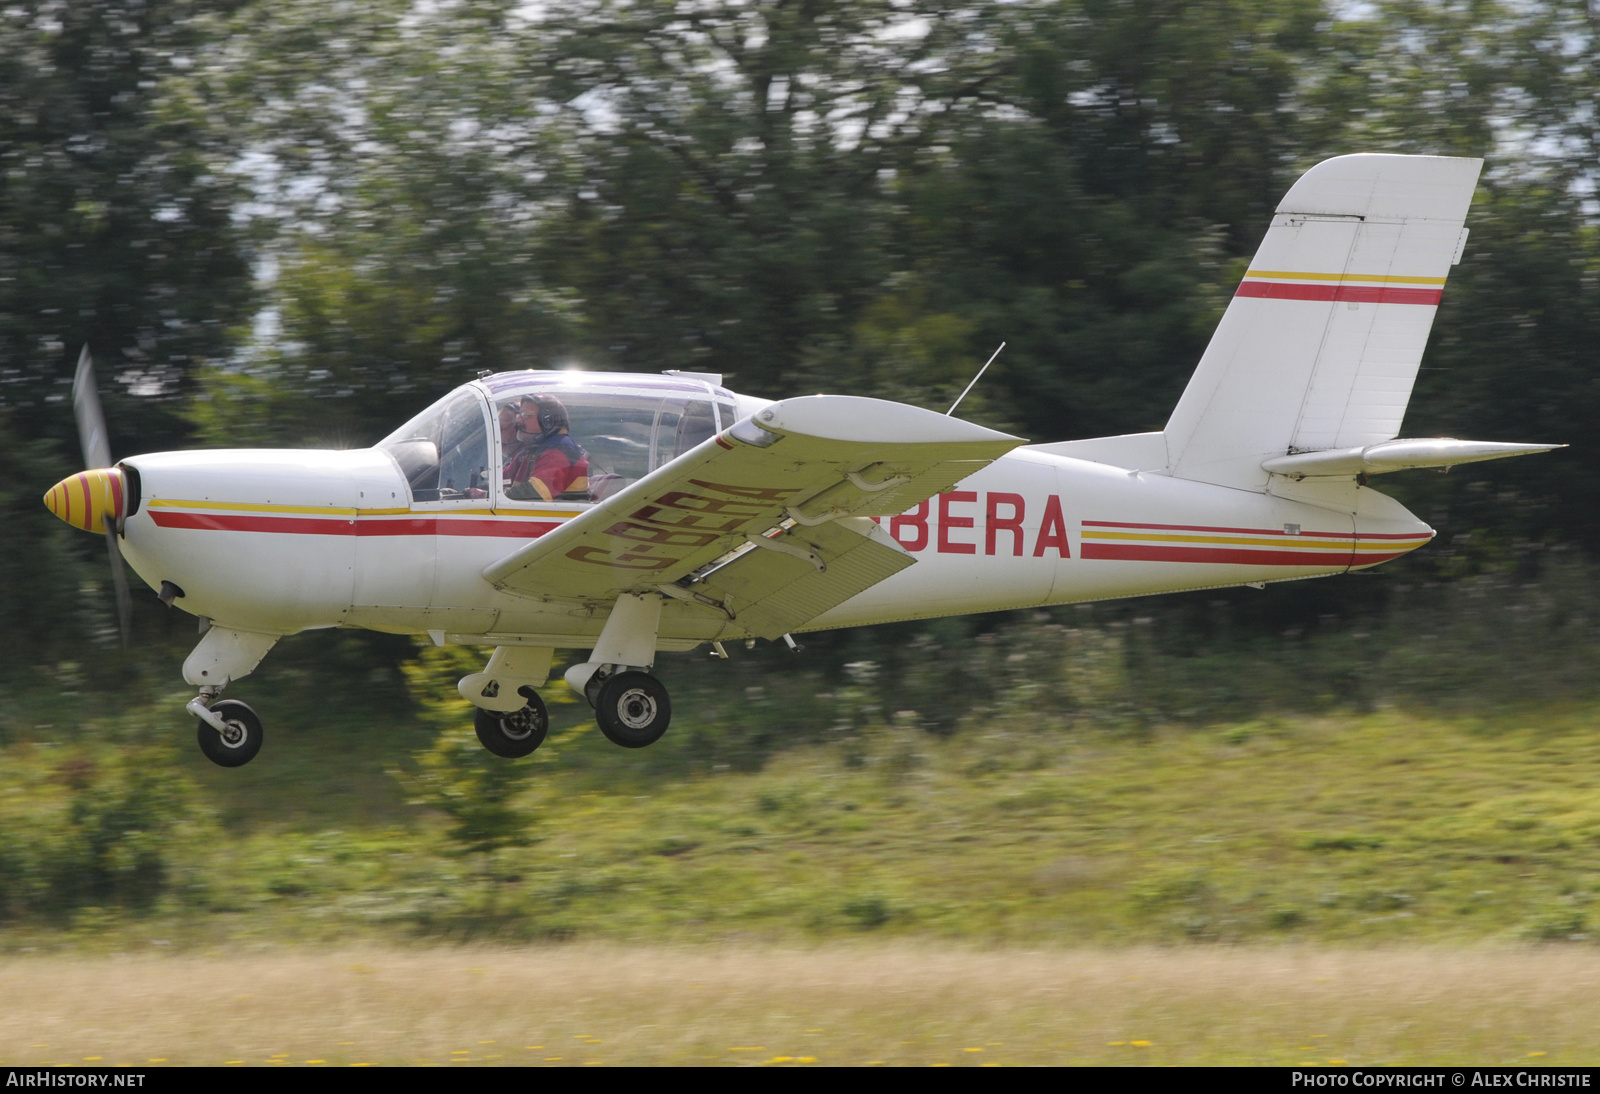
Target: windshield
pixel 444 451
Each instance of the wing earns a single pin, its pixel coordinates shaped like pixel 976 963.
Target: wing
pixel 758 522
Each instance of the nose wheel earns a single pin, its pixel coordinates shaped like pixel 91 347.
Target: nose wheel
pixel 633 709
pixel 515 733
pixel 237 740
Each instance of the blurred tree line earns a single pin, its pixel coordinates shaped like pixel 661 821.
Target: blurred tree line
pixel 297 222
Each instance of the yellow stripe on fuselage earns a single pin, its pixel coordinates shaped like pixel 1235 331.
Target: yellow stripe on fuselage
pixel 1247 541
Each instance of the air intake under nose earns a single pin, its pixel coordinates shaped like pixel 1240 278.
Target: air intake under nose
pixel 86 499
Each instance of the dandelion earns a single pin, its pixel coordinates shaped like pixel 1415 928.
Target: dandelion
pixel 1537 1054
pixel 972 1050
pixel 1116 1043
pixel 1140 1044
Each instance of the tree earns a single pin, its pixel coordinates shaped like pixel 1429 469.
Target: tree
pixel 117 228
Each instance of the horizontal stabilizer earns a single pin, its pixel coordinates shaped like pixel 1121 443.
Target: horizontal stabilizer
pixel 1376 459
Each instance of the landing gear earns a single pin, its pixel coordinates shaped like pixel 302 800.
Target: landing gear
pixel 238 739
pixel 516 733
pixel 229 732
pixel 633 709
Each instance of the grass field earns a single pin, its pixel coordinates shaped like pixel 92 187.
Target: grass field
pixel 834 1004
pixel 1379 829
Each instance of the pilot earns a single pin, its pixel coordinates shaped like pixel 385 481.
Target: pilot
pixel 550 461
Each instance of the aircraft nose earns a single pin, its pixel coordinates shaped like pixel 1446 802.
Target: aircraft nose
pixel 86 499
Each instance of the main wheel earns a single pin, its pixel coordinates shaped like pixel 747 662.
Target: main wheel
pixel 241 741
pixel 514 733
pixel 633 709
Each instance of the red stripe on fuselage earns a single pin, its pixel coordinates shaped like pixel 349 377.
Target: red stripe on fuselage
pixel 1143 552
pixel 1355 294
pixel 1247 531
pixel 348 526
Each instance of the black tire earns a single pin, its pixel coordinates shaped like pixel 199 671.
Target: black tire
pixel 514 734
pixel 242 741
pixel 633 709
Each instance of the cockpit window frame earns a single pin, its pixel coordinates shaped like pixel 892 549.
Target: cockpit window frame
pixel 668 394
pixel 441 408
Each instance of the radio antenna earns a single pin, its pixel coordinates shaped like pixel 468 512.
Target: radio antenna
pixel 975 380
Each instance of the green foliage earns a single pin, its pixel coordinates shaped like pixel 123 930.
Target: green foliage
pixel 97 831
pixel 118 227
pixel 476 790
pixel 482 794
pixel 1379 828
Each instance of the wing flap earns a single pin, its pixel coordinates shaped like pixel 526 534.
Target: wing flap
pixel 770 592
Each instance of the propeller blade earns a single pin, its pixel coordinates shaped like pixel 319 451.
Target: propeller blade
pixel 97 454
pixel 119 579
pixel 91 419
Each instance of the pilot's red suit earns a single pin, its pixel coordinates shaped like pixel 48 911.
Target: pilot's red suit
pixel 547 467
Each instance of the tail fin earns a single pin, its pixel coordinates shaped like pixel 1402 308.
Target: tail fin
pixel 1319 347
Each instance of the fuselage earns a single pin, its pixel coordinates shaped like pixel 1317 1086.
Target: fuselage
pixel 279 541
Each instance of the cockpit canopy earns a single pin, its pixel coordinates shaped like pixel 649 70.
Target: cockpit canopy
pixel 624 427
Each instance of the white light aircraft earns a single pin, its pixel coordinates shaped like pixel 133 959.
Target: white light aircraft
pixel 632 514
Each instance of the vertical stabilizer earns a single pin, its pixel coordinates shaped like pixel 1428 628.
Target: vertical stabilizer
pixel 1320 345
